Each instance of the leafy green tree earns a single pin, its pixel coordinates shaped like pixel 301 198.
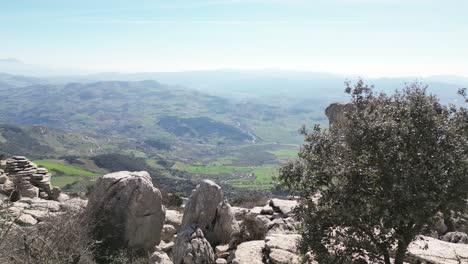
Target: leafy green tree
pixel 370 184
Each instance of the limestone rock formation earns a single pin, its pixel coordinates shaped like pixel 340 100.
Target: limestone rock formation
pixel 192 247
pixel 249 252
pixel 207 209
pixel 167 233
pixel 282 248
pixel 173 218
pixel 127 211
pixel 23 178
pixel 455 237
pixel 336 112
pixel 284 207
pixel 430 250
pixel 159 257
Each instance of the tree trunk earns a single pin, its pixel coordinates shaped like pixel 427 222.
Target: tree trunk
pixel 400 252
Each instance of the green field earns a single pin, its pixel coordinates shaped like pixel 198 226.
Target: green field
pixel 66 169
pixel 216 169
pixel 61 181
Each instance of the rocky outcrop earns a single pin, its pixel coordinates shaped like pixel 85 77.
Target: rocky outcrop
pixel 455 237
pixel 249 252
pixel 23 178
pixel 430 250
pixel 273 218
pixel 282 248
pixel 336 112
pixel 127 211
pixel 159 257
pixel 207 210
pixel 173 218
pixel 192 247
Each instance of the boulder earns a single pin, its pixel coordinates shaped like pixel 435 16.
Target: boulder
pixel 31 192
pixel 74 204
pixel 287 242
pixel 282 248
pixel 336 112
pixel 427 249
pixel 159 257
pixel 126 211
pixel 207 209
pixel 249 252
pixel 173 218
pixel 225 224
pixel 284 207
pixel 455 237
pixel 168 232
pixel 221 261
pixel 279 256
pixel 192 247
pixel 25 219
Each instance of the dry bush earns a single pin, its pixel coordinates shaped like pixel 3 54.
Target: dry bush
pixel 58 240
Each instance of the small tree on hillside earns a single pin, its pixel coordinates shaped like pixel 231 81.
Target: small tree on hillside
pixel 381 175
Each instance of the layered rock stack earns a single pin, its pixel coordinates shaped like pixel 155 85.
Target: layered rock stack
pixel 28 180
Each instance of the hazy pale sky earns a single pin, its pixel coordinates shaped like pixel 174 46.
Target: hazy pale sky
pixel 365 37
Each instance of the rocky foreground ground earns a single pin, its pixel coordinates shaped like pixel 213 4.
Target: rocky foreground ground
pixel 127 212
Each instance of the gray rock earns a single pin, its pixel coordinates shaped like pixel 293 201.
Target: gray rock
pixel 249 252
pixel 286 242
pixel 192 247
pixel 207 209
pixel 279 256
pixel 126 211
pixel 174 218
pixel 167 233
pixel 427 249
pixel 74 204
pixel 285 207
pixel 336 112
pixel 25 219
pixel 159 257
pixel 221 261
pixel 31 192
pixel 455 237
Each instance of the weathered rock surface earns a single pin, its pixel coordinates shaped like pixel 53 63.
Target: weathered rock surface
pixel 127 211
pixel 282 248
pixel 455 237
pixel 173 218
pixel 167 233
pixel 23 178
pixel 159 257
pixel 336 112
pixel 207 209
pixel 192 247
pixel 428 249
pixel 284 207
pixel 249 252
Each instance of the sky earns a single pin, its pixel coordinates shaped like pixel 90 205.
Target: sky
pixel 365 37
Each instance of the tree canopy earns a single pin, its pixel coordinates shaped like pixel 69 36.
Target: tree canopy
pixel 371 183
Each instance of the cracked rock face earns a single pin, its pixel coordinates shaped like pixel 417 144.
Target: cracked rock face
pixel 192 247
pixel 207 209
pixel 127 211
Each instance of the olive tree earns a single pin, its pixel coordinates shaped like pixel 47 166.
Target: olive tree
pixel 370 184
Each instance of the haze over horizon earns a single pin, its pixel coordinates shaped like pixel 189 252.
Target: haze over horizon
pixel 375 38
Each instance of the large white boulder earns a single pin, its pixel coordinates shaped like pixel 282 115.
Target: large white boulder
pixel 127 211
